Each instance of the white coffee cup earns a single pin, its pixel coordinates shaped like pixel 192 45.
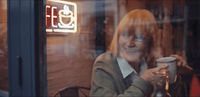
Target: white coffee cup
pixel 171 62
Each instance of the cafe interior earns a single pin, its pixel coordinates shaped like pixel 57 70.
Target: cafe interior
pixel 72 49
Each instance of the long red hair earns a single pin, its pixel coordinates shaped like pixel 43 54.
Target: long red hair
pixel 139 18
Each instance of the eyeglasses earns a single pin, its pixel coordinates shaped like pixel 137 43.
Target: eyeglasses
pixel 137 37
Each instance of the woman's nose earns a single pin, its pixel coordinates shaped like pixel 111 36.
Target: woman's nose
pixel 131 41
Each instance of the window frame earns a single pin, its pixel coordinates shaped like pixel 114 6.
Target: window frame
pixel 26 49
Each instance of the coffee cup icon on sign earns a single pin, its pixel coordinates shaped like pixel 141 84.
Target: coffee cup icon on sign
pixel 66 19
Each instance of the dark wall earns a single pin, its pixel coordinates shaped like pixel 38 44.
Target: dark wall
pixel 193 37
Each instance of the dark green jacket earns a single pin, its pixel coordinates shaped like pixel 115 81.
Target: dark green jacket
pixel 107 80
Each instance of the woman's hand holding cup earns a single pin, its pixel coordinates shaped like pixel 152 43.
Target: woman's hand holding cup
pixel 171 63
pixel 155 75
pixel 182 65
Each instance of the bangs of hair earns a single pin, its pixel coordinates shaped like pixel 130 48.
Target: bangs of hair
pixel 138 18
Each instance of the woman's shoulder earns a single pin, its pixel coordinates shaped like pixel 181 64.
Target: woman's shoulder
pixel 105 61
pixel 104 57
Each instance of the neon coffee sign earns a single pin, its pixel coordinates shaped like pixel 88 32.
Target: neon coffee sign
pixel 61 16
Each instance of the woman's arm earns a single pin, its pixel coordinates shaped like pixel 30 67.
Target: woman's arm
pixel 103 85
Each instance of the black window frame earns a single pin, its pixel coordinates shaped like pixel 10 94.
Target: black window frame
pixel 26 48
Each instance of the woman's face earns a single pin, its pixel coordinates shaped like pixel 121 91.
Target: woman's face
pixel 132 45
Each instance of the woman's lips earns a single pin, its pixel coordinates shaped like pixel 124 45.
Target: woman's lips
pixel 132 50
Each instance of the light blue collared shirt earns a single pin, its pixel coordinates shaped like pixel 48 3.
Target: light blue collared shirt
pixel 126 68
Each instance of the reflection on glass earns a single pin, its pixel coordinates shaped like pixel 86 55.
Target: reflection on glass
pixel 70 56
pixel 3 49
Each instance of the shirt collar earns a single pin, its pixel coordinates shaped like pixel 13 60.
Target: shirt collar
pixel 126 68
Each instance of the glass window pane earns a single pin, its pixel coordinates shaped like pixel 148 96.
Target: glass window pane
pixel 3 48
pixel 70 54
pixel 80 30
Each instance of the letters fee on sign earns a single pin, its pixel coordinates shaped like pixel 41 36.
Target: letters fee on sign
pixel 61 16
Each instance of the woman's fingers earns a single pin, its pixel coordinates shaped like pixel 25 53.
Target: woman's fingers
pixel 160 70
pixel 189 68
pixel 154 73
pixel 176 56
pixel 182 64
pixel 179 63
pixel 163 66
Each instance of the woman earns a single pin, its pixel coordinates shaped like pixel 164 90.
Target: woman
pixel 128 68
